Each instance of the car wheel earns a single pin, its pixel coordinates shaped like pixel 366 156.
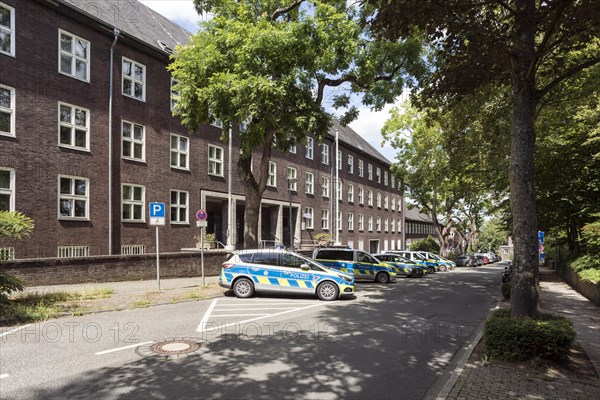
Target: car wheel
pixel 417 273
pixel 382 277
pixel 328 291
pixel 243 288
pixel 443 268
pixel 431 270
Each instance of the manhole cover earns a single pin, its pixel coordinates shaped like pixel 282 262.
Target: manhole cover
pixel 173 348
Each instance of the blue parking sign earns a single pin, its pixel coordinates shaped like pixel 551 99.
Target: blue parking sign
pixel 541 237
pixel 157 210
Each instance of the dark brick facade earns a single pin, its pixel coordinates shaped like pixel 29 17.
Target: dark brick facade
pixel 38 160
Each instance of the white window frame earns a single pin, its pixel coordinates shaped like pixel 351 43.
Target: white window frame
pixel 338 221
pixel 393 225
pixel 370 198
pixel 339 188
pixel 74 57
pixel 292 173
pixel 350 164
pixel 361 222
pixel 325 187
pixel 385 178
pixel 325 154
pixel 309 216
pixel 133 79
pixel 71 125
pixel 339 160
pixel 177 152
pixel 215 163
pixel 361 168
pixel 134 202
pixel 350 193
pixel 392 181
pixel 386 202
pixel 399 230
pixel 378 199
pixel 10 31
pixel 175 94
pixel 393 206
pixel 72 197
pixel 293 149
pixel 370 172
pixel 378 175
pixel 272 179
pixel 370 223
pixel 10 110
pixel 309 149
pixel 325 219
pixel 350 221
pixel 378 224
pixel 386 224
pixel 310 183
pixel 10 190
pixel 361 195
pixel 133 141
pixel 176 207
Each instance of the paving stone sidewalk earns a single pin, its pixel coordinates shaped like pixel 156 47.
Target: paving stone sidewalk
pixel 501 381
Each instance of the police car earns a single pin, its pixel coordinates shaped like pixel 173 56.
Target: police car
pixel 281 271
pixel 402 265
pixel 357 262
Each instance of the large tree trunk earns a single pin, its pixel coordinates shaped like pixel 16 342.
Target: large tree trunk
pixel 525 291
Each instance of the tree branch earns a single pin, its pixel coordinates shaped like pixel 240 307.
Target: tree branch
pixel 285 10
pixel 569 73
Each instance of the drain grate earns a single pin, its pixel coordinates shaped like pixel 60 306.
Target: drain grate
pixel 172 348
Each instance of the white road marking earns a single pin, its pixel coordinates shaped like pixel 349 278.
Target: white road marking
pixel 3 376
pixel 234 315
pixel 206 315
pixel 121 348
pixel 246 309
pixel 14 330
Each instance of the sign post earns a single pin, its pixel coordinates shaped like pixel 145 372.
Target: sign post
pixel 202 224
pixel 157 218
pixel 542 255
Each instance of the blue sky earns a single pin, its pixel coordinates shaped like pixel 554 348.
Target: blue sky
pixel 368 124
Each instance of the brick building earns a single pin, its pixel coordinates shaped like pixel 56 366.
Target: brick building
pixel 418 226
pixel 83 154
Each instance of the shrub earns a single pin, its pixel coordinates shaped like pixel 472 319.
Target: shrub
pixel 324 238
pixel 428 244
pixel 547 338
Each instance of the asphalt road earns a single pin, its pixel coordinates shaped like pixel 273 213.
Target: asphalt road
pixel 393 341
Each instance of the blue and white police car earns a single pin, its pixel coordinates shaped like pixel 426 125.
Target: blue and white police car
pixel 281 271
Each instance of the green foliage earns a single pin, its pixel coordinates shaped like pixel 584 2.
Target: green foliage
pixel 492 235
pixel 8 284
pixel 510 339
pixel 15 225
pixel 428 244
pixel 324 238
pixel 588 265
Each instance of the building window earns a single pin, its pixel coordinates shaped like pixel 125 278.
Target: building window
pixel 399 204
pixel 134 80
pixel 350 193
pixel 73 126
pixel 74 196
pixel 361 195
pixel 370 223
pixel 370 172
pixel 386 225
pixel 244 125
pixel 74 56
pixel 361 222
pixel 216 122
pixel 370 198
pixel 350 221
pixel 393 182
pixel 339 190
pixel 338 221
pixel 325 187
pixel 134 139
pixel 325 154
pixel 361 168
pixel 175 93
pixel 179 151
pixel 350 164
pixel 7 189
pixel 132 205
pixel 378 200
pixel 386 201
pixel 309 215
pixel 378 175
pixel 324 219
pixel 308 151
pixel 7 30
pixel 215 160
pixel 393 225
pixel 378 224
pixel 292 174
pixel 339 160
pixel 393 207
pixel 179 207
pixel 293 149
pixel 310 183
pixel 399 230
pixel 272 179
pixel 385 178
pixel 7 110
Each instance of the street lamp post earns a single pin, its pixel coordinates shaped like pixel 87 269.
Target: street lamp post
pixel 289 186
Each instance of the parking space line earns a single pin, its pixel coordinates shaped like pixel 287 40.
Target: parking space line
pixel 121 348
pixel 234 315
pixel 246 309
pixel 14 330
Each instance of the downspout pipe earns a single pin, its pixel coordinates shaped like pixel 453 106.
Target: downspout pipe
pixel 116 34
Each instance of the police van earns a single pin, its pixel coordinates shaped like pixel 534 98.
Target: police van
pixel 281 271
pixel 357 262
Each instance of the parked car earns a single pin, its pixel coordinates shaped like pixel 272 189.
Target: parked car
pixel 439 259
pixel 250 271
pixel 402 265
pixel 465 260
pixel 357 262
pixel 478 259
pixel 433 266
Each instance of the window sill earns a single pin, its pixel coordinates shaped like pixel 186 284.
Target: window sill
pixel 82 149
pixel 74 77
pixel 143 100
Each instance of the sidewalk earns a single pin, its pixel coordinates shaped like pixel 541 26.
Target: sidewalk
pixel 505 381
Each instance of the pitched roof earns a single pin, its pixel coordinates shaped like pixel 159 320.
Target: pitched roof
pixel 134 19
pixel 349 136
pixel 415 215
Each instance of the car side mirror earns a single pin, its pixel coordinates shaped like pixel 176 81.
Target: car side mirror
pixel 304 267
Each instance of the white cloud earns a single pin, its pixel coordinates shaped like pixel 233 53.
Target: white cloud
pixel 179 11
